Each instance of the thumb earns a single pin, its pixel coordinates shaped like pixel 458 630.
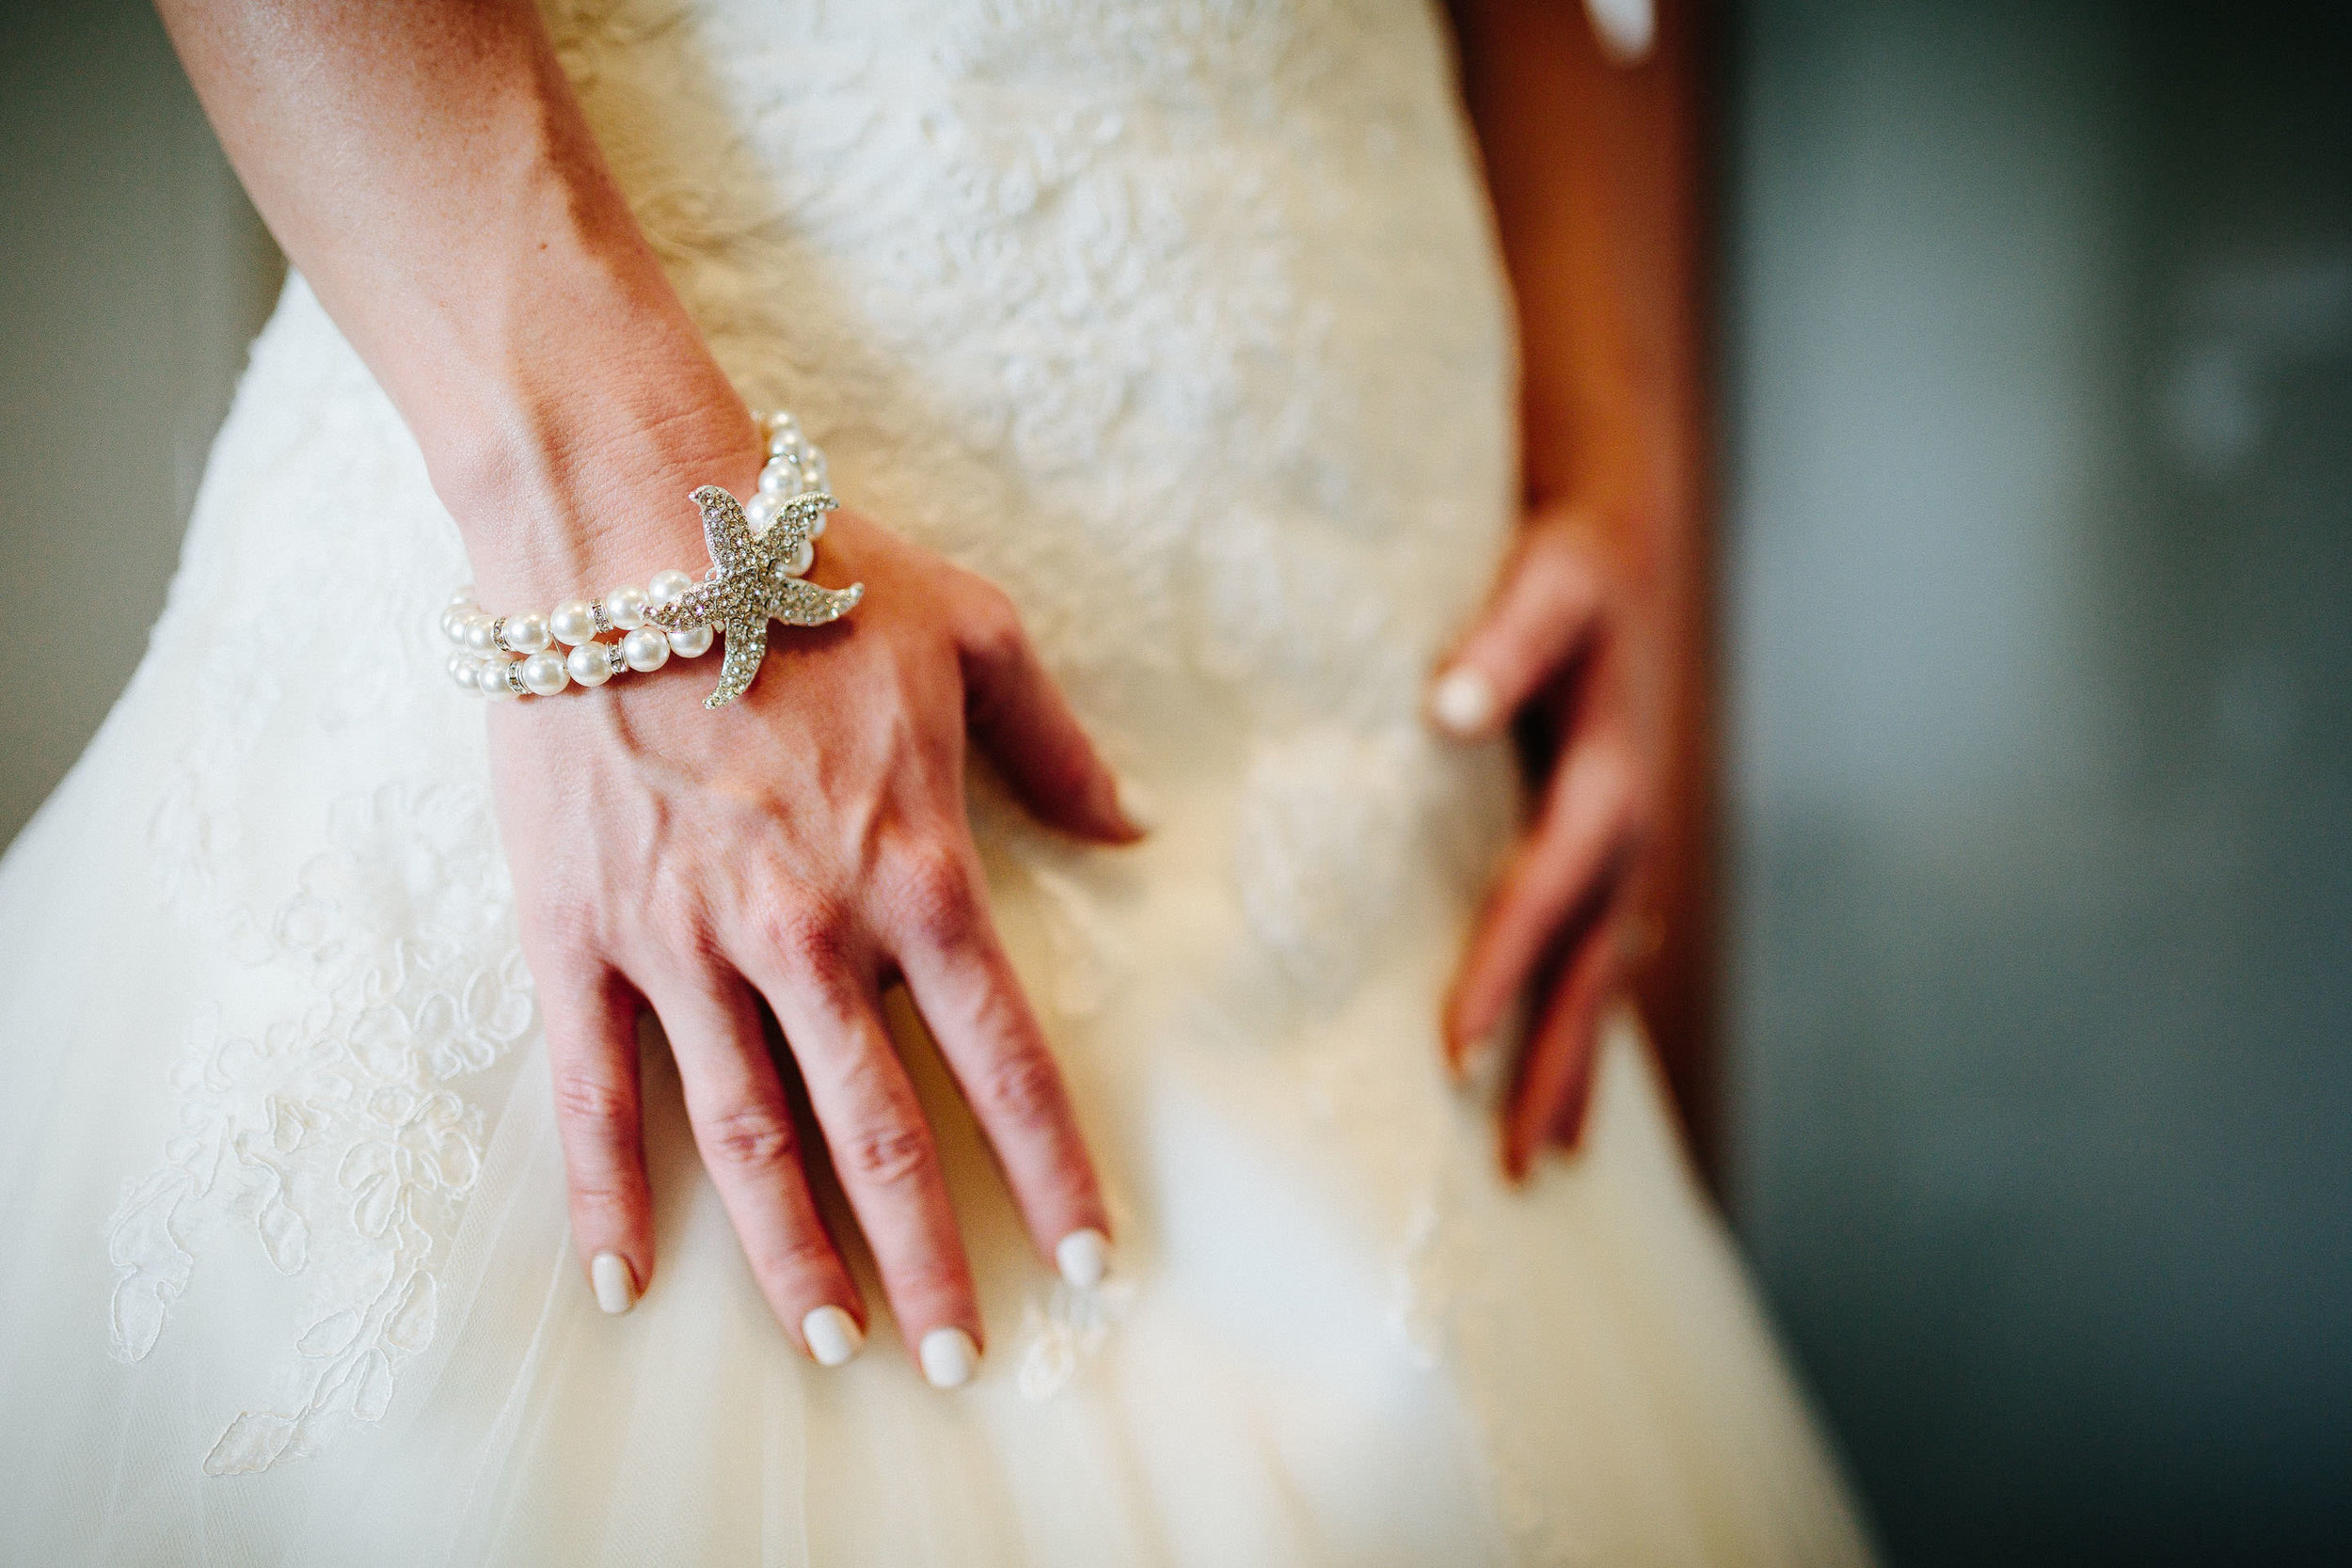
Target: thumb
pixel 1020 718
pixel 1545 610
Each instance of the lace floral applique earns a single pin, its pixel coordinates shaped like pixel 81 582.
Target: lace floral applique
pixel 346 1137
pixel 1067 1332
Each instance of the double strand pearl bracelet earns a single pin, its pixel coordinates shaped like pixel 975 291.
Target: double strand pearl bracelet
pixel 759 551
pixel 540 669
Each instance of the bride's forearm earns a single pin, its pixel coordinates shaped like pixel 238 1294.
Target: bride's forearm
pixel 427 168
pixel 1592 172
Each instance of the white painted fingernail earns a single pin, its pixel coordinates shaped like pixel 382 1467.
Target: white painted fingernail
pixel 1463 702
pixel 1084 1257
pixel 1135 805
pixel 948 1357
pixel 614 1280
pixel 832 1336
pixel 1626 28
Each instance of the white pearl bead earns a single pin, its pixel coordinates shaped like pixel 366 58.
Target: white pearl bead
pixel 692 643
pixel 491 676
pixel 781 480
pixel 760 511
pixel 625 607
pixel 803 556
pixel 573 623
pixel 590 664
pixel 463 598
pixel 481 634
pixel 817 526
pixel 813 468
pixel 646 649
pixel 453 620
pixel 783 435
pixel 526 633
pixel 545 675
pixel 461 670
pixel 666 586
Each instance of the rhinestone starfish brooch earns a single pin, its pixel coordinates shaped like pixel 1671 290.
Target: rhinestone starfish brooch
pixel 754 578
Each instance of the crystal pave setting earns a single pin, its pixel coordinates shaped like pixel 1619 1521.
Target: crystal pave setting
pixel 752 583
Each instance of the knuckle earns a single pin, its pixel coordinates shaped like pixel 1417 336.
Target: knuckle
pixel 561 924
pixel 808 934
pixel 749 1138
pixel 1024 1089
pixel 596 1104
pixel 603 1196
pixel 673 941
pixel 672 916
pixel 891 1156
pixel 937 901
pixel 932 1280
pixel 802 1256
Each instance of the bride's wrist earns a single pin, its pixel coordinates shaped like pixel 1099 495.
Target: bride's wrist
pixel 761 549
pixel 568 488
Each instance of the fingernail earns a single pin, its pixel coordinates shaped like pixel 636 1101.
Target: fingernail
pixel 1136 805
pixel 832 1336
pixel 948 1357
pixel 1463 702
pixel 614 1280
pixel 1084 1257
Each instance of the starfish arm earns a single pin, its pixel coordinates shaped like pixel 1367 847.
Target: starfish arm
pixel 795 519
pixel 696 607
pixel 803 604
pixel 747 644
pixel 725 529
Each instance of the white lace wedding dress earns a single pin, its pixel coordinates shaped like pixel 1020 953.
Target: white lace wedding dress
pixel 1183 322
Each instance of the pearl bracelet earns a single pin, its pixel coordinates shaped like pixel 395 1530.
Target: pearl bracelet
pixel 759 552
pixel 540 670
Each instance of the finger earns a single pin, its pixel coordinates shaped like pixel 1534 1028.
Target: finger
pixel 1589 823
pixel 883 1147
pixel 1554 1083
pixel 965 989
pixel 1021 719
pixel 743 1126
pixel 1547 610
pixel 592 1052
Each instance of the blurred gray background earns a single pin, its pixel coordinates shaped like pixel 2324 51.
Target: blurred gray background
pixel 132 274
pixel 2039 389
pixel 2038 377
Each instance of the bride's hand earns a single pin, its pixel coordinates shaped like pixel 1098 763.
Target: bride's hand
pixel 434 180
pixel 803 849
pixel 1551 648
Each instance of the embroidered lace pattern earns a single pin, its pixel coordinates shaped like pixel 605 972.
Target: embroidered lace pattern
pixel 343 1139
pixel 332 1098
